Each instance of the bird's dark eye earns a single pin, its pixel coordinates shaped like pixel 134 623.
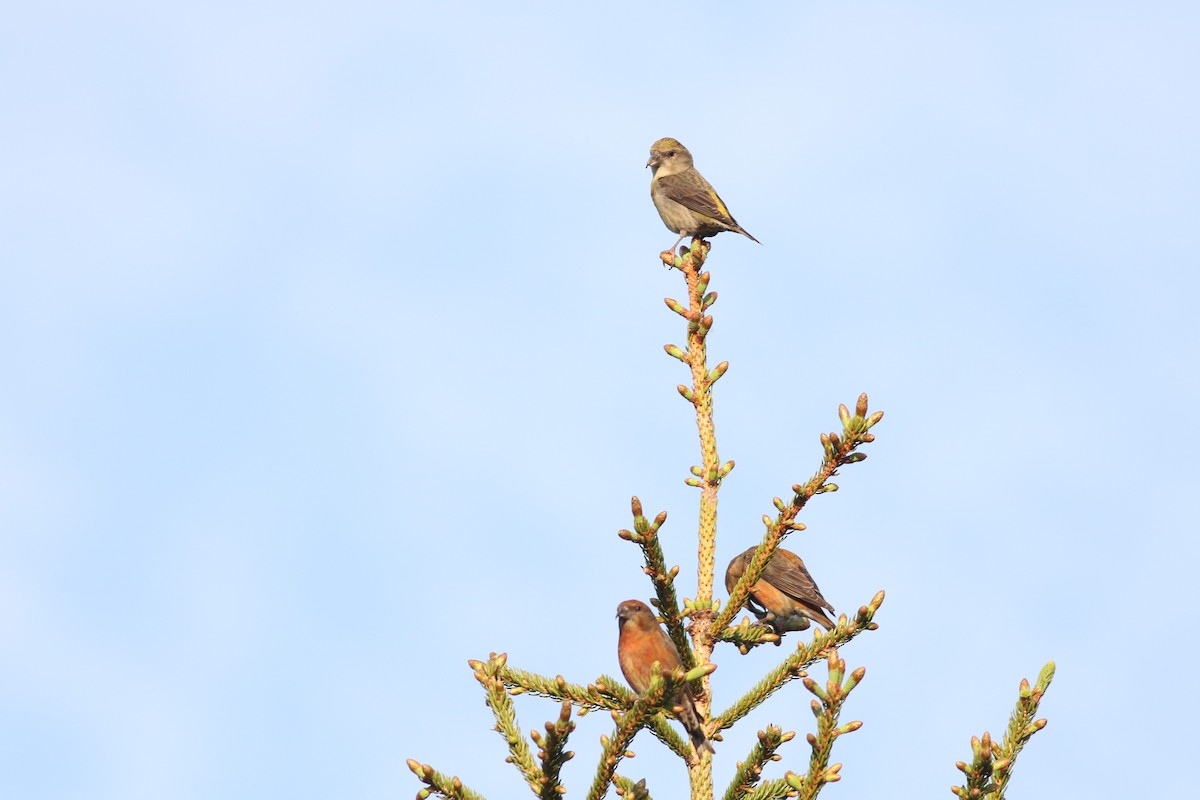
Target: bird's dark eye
pixel 670 154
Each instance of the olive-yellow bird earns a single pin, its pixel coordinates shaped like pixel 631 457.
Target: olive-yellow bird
pixel 687 203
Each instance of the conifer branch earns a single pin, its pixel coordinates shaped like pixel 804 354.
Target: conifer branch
pixel 616 747
pixel 839 450
pixel 826 709
pixel 991 764
pixel 824 643
pixel 747 635
pixel 553 752
pixel 442 785
pixel 506 718
pixel 706 477
pixel 772 790
pixel 750 771
pixel 606 693
pixel 645 536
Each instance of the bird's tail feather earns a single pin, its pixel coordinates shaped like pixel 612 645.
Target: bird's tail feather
pixel 692 723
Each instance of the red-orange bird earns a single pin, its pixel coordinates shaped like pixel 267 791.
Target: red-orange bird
pixel 785 595
pixel 642 642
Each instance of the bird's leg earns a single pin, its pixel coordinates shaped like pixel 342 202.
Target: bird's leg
pixel 674 248
pixel 757 610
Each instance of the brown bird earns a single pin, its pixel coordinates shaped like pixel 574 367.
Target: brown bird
pixel 785 595
pixel 642 642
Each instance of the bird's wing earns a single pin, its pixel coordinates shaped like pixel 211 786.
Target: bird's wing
pixel 794 580
pixel 664 651
pixel 692 192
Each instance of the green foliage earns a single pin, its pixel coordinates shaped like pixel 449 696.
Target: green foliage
pixel 992 762
pixel 697 625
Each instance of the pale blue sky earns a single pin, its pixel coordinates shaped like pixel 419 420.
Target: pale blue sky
pixel 332 344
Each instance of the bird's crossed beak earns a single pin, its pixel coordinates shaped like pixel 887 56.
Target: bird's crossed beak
pixel 653 162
